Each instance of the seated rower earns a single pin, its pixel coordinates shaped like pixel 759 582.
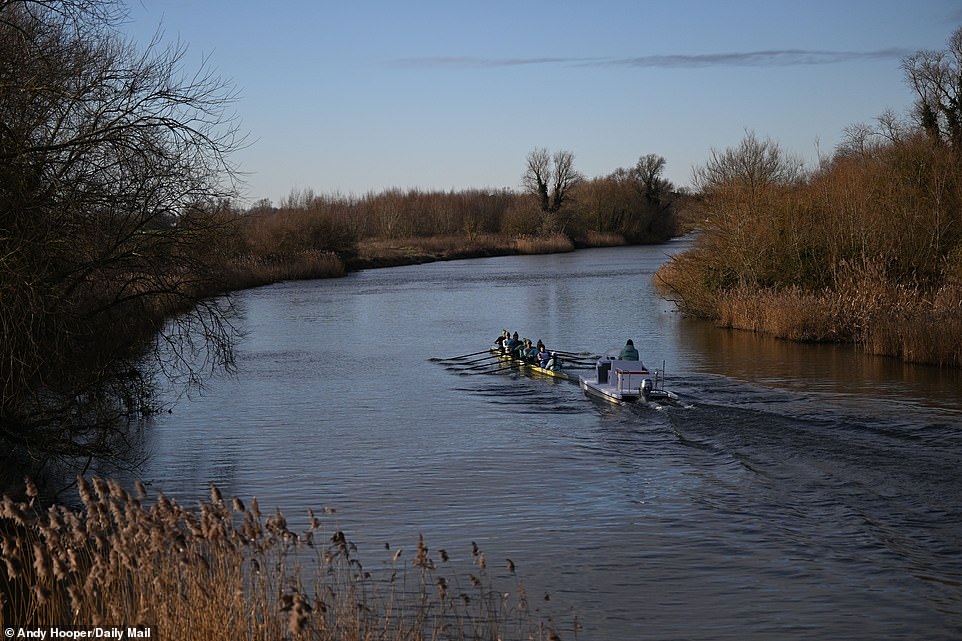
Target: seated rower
pixel 530 353
pixel 543 356
pixel 522 350
pixel 553 363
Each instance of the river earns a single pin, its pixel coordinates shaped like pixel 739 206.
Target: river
pixel 798 491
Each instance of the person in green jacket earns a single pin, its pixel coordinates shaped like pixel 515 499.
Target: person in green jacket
pixel 530 353
pixel 628 352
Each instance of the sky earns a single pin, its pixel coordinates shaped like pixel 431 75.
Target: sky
pixel 353 97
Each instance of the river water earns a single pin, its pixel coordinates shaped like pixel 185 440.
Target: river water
pixel 798 492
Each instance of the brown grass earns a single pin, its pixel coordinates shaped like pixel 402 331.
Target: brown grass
pixel 604 239
pixel 867 250
pixel 554 243
pixel 226 571
pixel 380 252
pixel 251 270
pixel 883 319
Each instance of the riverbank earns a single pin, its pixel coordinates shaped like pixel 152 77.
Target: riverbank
pixel 251 271
pixel 413 251
pixel 879 317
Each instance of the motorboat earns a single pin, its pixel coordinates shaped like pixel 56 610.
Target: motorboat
pixel 626 381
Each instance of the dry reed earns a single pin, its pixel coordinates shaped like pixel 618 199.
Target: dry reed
pixel 251 270
pixel 882 318
pixel 225 571
pixel 604 239
pixel 432 248
pixel 550 244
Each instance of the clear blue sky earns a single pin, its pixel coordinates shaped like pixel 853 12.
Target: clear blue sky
pixel 359 96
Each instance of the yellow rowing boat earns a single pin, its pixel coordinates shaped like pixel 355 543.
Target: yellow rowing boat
pixel 530 367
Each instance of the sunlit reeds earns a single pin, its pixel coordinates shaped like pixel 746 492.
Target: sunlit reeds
pixel 226 571
pixel 251 270
pixel 883 319
pixel 866 250
pixel 554 243
pixel 398 227
pixel 380 252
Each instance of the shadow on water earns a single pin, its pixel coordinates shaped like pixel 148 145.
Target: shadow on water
pixel 815 369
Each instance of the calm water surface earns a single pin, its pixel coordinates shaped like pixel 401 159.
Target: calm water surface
pixel 800 492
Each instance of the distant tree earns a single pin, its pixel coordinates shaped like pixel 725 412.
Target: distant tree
pixel 649 171
pixel 936 78
pixel 754 164
pixel 635 202
pixel 114 176
pixel 742 193
pixel 550 178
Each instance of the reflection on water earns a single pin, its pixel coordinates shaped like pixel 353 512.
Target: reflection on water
pixel 819 367
pixel 801 492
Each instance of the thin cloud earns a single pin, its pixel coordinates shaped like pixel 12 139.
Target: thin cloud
pixel 467 61
pixel 765 58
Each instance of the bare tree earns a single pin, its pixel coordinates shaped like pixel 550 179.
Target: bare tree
pixel 936 77
pixel 114 177
pixel 754 164
pixel 537 176
pixel 551 180
pixel 566 178
pixel 648 172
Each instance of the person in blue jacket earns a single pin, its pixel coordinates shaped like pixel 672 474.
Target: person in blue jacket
pixel 543 356
pixel 628 352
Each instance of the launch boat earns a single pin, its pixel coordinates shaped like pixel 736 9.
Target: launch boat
pixel 626 381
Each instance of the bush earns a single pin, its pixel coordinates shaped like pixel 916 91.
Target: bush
pixel 864 250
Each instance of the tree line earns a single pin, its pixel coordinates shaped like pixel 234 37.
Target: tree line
pixel 865 248
pixel 630 205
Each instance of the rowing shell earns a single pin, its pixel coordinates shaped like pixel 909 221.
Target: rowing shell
pixel 531 367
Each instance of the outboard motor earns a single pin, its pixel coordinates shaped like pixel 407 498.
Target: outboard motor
pixel 646 387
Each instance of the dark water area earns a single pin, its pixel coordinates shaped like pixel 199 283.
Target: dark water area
pixel 798 491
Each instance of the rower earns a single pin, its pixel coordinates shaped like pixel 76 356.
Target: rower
pixel 543 356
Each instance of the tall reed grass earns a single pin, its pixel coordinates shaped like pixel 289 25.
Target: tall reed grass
pixel 883 318
pixel 867 249
pixel 252 270
pixel 225 571
pixel 377 252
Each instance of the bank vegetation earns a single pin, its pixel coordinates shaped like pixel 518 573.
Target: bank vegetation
pixel 864 249
pixel 867 249
pixel 225 571
pixel 311 235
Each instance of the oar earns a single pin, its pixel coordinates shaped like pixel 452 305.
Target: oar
pixel 457 358
pixel 485 372
pixel 471 362
pixel 482 366
pixel 573 357
pixel 569 363
pixel 585 355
